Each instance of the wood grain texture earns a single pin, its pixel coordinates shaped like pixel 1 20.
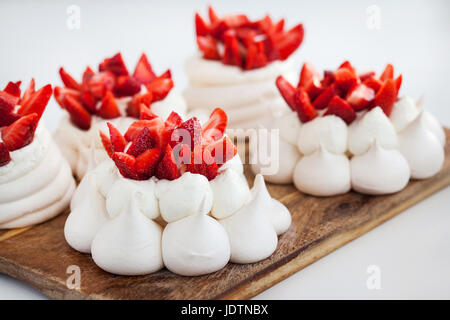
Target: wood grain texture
pixel 40 255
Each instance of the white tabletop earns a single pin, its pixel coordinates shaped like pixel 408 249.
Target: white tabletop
pixel 410 252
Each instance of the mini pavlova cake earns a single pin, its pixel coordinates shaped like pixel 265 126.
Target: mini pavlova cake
pixel 172 194
pixel 36 183
pixel 236 67
pixel 111 94
pixel 351 131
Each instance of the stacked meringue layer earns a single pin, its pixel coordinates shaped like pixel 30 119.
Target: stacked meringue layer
pixel 248 97
pixel 75 144
pixel 190 225
pixel 36 184
pixel 374 155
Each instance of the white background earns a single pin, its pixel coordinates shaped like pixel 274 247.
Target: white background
pixel 411 250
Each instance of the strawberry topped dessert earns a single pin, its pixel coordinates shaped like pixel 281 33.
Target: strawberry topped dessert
pixel 172 193
pixel 112 94
pixel 349 130
pixel 237 64
pixel 36 183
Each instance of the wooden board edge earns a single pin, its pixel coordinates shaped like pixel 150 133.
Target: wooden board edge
pixel 320 249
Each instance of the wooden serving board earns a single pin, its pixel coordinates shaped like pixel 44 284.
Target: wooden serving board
pixel 40 255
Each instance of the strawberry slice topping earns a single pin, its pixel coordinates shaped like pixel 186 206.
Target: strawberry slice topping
pixel 20 133
pixel 287 91
pixel 5 157
pixel 78 115
pixel 7 102
pixel 307 75
pixel 160 87
pixel 37 102
pixel 146 113
pixel 202 163
pixel 305 110
pixel 388 73
pixel 231 55
pixel 30 90
pixel 115 65
pixel 322 101
pixel 387 96
pixel 143 72
pixel 126 86
pixel 215 127
pixel 189 132
pixel 341 108
pixel 167 168
pixel 147 162
pixel 141 143
pixel 208 46
pixel 107 145
pixel 68 81
pixel 126 165
pixel 108 108
pixel 118 142
pixel 360 97
pixel 13 88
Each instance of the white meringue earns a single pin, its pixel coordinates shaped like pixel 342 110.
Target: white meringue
pixel 403 113
pixel 379 171
pixel 181 197
pixel 129 244
pixel 289 126
pixel 432 124
pixel 144 191
pixel 234 164
pixel 329 131
pixel 252 236
pixel 421 148
pixel 374 125
pixel 276 212
pixel 230 193
pixel 323 173
pixel 195 245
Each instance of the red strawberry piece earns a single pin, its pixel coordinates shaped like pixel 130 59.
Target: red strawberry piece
pixel 134 105
pixel 347 65
pixel 387 96
pixel 28 92
pixel 202 163
pixel 88 101
pixel 208 46
pixel 87 75
pixel 142 143
pixel 373 83
pixel 279 26
pixel 256 55
pixel 321 102
pixel 5 158
pixel 215 127
pixel 289 42
pixel 155 126
pixel 100 83
pixel 143 72
pixel 37 102
pixel 345 79
pixel 314 89
pixel 7 102
pixel 231 55
pixel 166 75
pixel 60 93
pixel 328 79
pixel 106 144
pixel 145 113
pixel 287 91
pixel 147 161
pixel 235 20
pixel 167 168
pixel 108 108
pixel 160 87
pixel 222 150
pixel 20 133
pixel 360 97
pixel 114 65
pixel 126 86
pixel 398 82
pixel 126 165
pixel 13 88
pixel 366 75
pixel 201 27
pixel 190 132
pixel 305 110
pixel 118 141
pixel 172 122
pixel 78 115
pixel 7 118
pixel 68 81
pixel 388 73
pixel 341 108
pixel 307 74
pixel 213 17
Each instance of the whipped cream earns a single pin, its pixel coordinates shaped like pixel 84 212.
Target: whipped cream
pixel 195 245
pixel 36 184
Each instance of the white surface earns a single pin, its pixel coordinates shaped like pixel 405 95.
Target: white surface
pixel 411 249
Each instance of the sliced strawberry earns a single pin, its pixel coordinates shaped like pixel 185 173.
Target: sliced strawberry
pixel 328 79
pixel 387 96
pixel 373 83
pixel 118 141
pixel 146 162
pixel 213 17
pixel 13 88
pixel 287 91
pixel 256 56
pixel 134 105
pixel 155 126
pixel 126 86
pixel 166 75
pixel 202 163
pixel 167 168
pixel 189 132
pixel 143 72
pixel 279 26
pixel 366 75
pixel 87 75
pixel 106 144
pixel 100 83
pixel 5 158
pixel 172 122
pixel 307 75
pixel 108 108
pixel 305 110
pixel 114 65
pixel 7 118
pixel 7 102
pixel 289 42
pixel 222 150
pixel 208 46
pixel 88 101
pixel 398 82
pixel 160 87
pixel 314 89
pixel 341 108
pixel 68 81
pixel 20 133
pixel 37 102
pixel 28 92
pixel 215 127
pixel 360 97
pixel 347 65
pixel 231 55
pixel 201 27
pixel 142 143
pixel 60 93
pixel 321 102
pixel 388 73
pixel 126 165
pixel 345 79
pixel 145 113
pixel 78 115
